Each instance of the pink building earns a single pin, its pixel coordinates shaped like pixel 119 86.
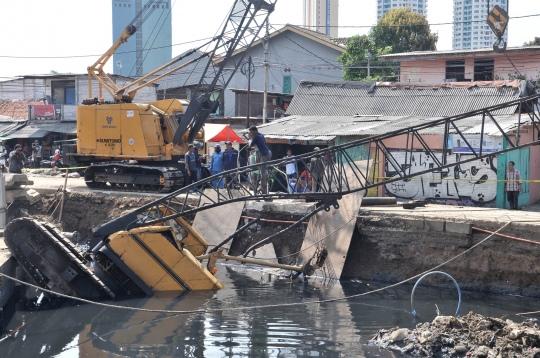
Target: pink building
pixel 467 65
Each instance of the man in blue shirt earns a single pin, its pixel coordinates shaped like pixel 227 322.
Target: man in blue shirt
pixel 258 142
pixel 216 165
pixel 230 161
pixel 191 166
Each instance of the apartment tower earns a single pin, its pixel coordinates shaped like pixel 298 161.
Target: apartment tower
pixel 322 16
pixel 418 6
pixel 470 28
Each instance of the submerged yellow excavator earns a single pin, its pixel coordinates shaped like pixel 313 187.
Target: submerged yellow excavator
pixel 140 146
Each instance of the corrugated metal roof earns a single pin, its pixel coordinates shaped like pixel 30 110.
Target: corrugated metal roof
pixel 327 128
pixel 29 132
pixel 41 130
pixel 357 98
pixel 8 127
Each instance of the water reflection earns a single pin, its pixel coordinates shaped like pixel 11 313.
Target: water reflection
pixel 337 329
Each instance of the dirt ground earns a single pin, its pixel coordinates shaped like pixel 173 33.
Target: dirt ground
pixel 471 335
pixel 84 211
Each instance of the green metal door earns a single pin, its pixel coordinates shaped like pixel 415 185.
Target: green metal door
pixel 522 159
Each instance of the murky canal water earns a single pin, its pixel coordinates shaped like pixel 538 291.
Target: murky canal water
pixel 338 329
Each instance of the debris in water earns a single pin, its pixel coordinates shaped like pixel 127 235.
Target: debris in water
pixel 469 336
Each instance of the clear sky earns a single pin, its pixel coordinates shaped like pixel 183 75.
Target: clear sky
pixel 60 28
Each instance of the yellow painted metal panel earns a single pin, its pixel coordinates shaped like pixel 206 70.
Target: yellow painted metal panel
pixel 86 129
pixel 182 263
pixel 153 135
pixel 108 130
pixel 133 141
pixel 189 238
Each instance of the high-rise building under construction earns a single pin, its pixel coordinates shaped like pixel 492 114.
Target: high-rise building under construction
pixel 322 16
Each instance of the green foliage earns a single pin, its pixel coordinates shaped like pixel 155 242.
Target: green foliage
pixel 404 31
pixel 535 42
pixel 386 38
pixel 517 76
pixel 355 60
pixel 53 72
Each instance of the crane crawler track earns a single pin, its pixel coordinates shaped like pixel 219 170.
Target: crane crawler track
pixel 133 178
pixel 52 261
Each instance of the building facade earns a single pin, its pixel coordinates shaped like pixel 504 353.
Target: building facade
pixel 322 16
pixel 418 6
pixel 467 65
pixel 470 28
pixel 151 46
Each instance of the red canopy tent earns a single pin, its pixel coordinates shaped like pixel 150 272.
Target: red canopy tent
pixel 226 134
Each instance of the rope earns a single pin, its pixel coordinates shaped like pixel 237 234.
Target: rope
pixel 260 306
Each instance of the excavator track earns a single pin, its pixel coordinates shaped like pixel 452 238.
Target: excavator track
pixel 52 261
pixel 133 178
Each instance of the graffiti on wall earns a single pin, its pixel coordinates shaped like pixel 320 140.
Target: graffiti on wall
pixel 469 184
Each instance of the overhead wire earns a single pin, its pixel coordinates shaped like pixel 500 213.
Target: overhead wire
pixel 408 25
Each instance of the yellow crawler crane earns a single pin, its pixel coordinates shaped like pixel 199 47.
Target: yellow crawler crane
pixel 140 146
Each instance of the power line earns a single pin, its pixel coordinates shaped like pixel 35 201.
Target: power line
pixel 82 56
pixel 408 25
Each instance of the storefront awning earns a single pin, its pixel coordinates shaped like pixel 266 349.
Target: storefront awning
pixel 41 130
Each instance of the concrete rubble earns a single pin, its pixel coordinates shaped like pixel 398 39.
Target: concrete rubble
pixel 472 335
pixel 16 189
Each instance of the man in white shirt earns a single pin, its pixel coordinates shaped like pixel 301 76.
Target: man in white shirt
pixel 290 166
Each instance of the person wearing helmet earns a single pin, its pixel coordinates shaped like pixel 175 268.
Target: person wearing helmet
pixel 36 154
pixel 16 159
pixel 57 159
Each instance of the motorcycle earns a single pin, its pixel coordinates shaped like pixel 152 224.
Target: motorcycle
pixel 52 163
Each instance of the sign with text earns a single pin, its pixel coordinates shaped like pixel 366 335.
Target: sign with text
pixel 44 111
pixel 490 144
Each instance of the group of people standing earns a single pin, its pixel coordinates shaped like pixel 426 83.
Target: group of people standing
pixel 229 160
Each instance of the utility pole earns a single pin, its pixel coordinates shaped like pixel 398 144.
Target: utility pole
pixel 248 70
pixel 368 56
pixel 250 63
pixel 266 66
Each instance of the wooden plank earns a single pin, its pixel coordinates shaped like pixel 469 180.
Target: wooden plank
pixel 216 224
pixel 338 225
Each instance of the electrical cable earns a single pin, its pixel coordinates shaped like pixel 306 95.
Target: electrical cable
pixel 407 25
pixel 305 49
pixel 257 306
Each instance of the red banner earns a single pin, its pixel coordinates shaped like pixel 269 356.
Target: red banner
pixel 44 111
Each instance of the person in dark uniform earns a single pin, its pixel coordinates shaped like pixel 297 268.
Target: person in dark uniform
pixel 16 159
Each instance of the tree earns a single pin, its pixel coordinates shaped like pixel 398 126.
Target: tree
pixel 404 31
pixel 355 60
pixel 535 42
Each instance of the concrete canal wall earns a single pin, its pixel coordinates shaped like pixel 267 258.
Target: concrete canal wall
pixel 391 246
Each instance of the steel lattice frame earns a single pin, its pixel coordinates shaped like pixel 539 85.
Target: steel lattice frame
pixel 241 29
pixel 333 183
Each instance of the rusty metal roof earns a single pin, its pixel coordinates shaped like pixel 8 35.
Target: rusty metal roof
pixel 340 98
